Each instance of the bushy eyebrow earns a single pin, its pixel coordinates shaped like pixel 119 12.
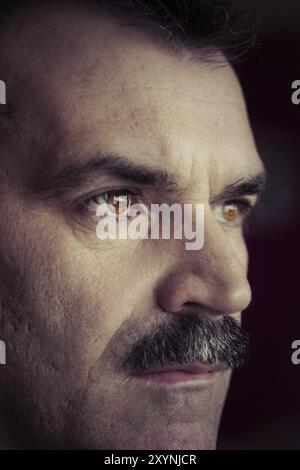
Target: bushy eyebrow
pixel 247 186
pixel 77 174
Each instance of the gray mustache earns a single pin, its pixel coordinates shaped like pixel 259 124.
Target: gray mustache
pixel 190 338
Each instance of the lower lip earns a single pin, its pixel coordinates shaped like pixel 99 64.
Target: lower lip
pixel 176 376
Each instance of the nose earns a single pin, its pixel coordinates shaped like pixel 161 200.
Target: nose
pixel 213 279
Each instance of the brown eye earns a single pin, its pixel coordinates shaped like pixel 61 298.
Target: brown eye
pixel 120 201
pixel 231 212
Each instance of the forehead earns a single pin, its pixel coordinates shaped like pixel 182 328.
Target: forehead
pixel 115 89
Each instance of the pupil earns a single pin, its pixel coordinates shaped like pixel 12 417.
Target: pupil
pixel 118 202
pixel 230 212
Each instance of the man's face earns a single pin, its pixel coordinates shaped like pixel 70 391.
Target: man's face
pixel 73 306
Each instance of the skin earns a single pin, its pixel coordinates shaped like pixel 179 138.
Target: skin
pixel 71 305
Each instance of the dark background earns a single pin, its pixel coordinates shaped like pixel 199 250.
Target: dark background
pixel 263 406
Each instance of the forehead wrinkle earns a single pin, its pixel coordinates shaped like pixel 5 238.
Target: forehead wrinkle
pixel 185 112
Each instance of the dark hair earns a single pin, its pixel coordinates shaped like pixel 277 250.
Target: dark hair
pixel 198 26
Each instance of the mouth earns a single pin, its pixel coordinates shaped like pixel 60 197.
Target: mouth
pixel 195 372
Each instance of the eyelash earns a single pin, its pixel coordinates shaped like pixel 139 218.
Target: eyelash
pixel 247 209
pixel 242 203
pixel 121 191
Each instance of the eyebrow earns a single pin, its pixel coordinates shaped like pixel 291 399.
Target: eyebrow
pixel 246 186
pixel 77 174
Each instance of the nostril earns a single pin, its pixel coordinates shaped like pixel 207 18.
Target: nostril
pixel 190 304
pixel 190 307
pixel 196 307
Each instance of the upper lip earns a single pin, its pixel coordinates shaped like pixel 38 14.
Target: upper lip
pixel 191 368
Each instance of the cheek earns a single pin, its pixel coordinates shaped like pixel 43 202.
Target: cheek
pixel 68 293
pixel 65 302
pixel 240 248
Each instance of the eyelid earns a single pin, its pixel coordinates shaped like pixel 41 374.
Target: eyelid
pixel 245 203
pixel 117 190
pixel 242 201
pixel 121 191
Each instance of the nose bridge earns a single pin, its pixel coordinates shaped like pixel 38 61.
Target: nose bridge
pixel 214 276
pixel 217 258
pixel 219 261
